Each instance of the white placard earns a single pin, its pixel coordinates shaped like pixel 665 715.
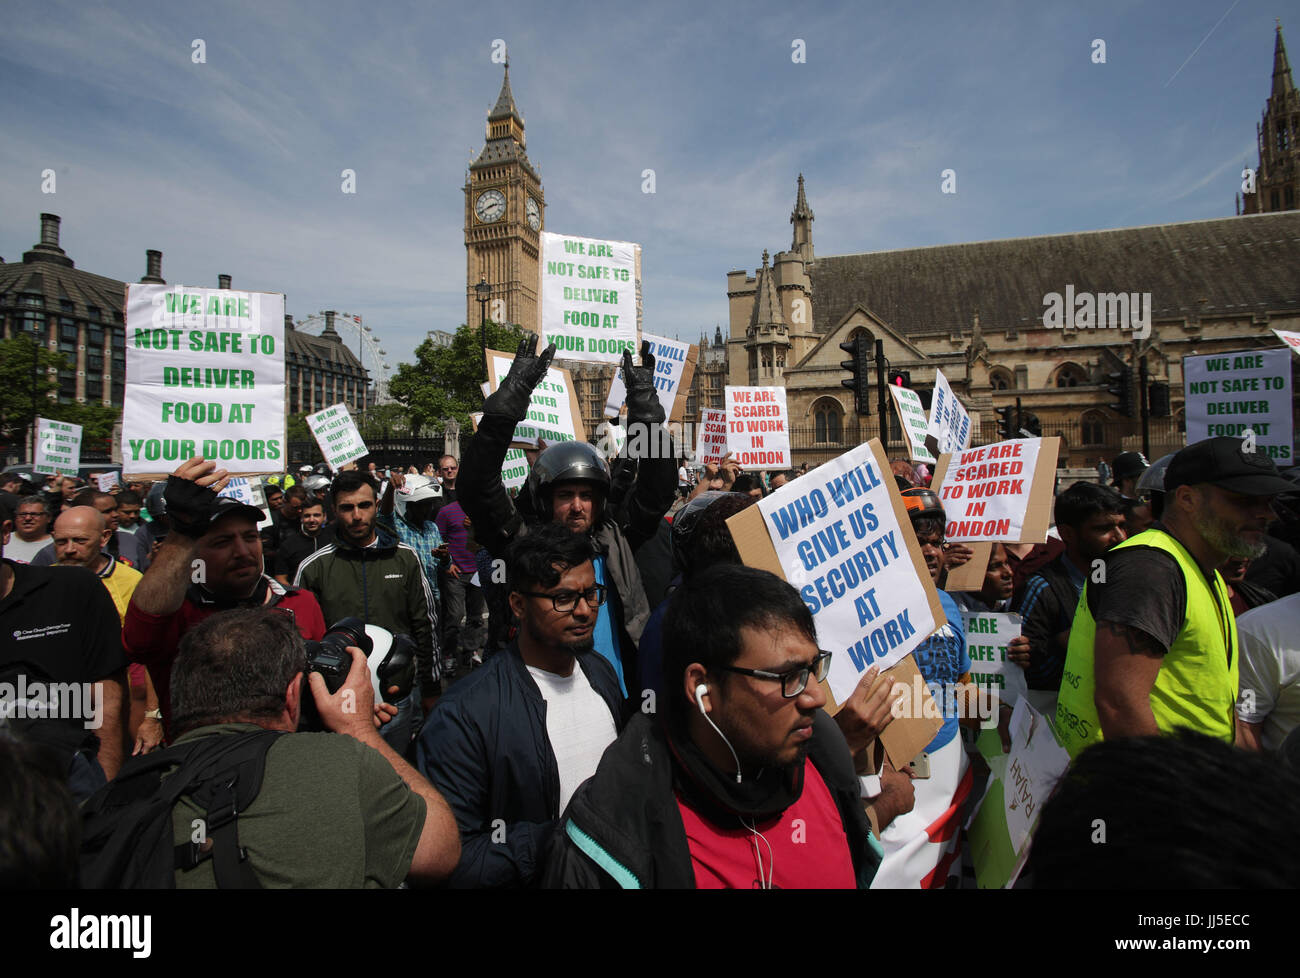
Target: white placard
pixel 1290 339
pixel 986 490
pixel 58 447
pixel 1228 393
pixel 204 376
pixel 337 435
pixel 913 422
pixel 840 544
pixel 711 438
pixel 758 428
pixel 670 365
pixel 250 493
pixel 1035 763
pixel 514 470
pixel 949 421
pixel 588 290
pixel 551 410
pixel 107 481
pixel 987 636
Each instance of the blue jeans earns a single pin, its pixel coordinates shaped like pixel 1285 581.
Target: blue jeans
pixel 397 732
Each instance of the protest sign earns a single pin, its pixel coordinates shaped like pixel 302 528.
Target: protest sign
pixel 107 481
pixel 842 538
pixel 949 422
pixel 1290 339
pixel 711 443
pixel 999 492
pixel 553 414
pixel 911 416
pixel 1231 393
pixel 1000 831
pixel 987 635
pixel 204 376
pixel 758 428
pixel 336 434
pixel 610 438
pixel 514 470
pixel 674 368
pixel 588 294
pixel 970 575
pixel 58 447
pixel 250 493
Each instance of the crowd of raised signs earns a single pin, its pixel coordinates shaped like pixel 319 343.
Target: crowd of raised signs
pixel 406 675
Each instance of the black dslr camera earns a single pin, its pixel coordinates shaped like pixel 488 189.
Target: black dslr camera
pixel 330 656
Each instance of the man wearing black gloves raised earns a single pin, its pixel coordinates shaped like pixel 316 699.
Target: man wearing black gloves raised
pixel 571 484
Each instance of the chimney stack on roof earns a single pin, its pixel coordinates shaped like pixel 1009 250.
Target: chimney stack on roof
pixel 223 281
pixel 153 268
pixel 48 249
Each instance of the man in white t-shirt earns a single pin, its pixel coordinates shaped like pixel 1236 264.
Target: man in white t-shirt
pixel 31 530
pixel 1269 704
pixel 508 745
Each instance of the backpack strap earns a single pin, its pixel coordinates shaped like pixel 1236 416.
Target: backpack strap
pixel 228 786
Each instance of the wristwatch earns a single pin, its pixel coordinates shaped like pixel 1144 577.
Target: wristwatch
pixel 153 714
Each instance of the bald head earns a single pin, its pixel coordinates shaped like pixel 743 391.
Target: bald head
pixel 80 534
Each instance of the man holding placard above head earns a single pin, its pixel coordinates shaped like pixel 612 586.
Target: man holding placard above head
pixel 570 484
pixel 1154 642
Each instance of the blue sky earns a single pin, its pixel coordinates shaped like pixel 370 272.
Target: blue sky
pixel 233 166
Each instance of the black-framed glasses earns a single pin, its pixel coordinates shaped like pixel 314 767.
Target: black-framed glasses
pixel 795 681
pixel 566 601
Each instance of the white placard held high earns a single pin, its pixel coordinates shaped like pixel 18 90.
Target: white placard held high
pixel 337 435
pixel 58 447
pixel 1232 393
pixel 758 428
pixel 588 290
pixel 915 427
pixel 949 421
pixel 711 443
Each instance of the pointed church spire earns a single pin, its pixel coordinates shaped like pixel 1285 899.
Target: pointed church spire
pixel 1281 67
pixel 802 217
pixel 767 307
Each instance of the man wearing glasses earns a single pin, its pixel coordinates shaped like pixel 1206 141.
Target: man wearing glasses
pixel 31 530
pixel 740 779
pixel 448 467
pixel 508 746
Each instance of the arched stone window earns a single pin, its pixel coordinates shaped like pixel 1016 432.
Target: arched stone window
pixel 1000 379
pixel 828 417
pixel 1070 375
pixel 1093 428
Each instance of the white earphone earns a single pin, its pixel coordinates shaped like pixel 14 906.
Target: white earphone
pixel 701 691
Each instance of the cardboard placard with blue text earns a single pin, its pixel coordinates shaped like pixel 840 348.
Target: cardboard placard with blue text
pixel 1000 492
pixel 674 370
pixel 841 537
pixel 553 414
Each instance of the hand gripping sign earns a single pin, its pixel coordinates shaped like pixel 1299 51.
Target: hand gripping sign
pixel 553 414
pixel 674 369
pixel 842 538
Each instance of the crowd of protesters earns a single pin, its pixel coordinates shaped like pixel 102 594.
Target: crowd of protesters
pixel 386 677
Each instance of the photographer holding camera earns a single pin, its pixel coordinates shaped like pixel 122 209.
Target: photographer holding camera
pixel 241 799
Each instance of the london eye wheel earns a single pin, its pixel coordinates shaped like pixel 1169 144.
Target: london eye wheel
pixel 357 337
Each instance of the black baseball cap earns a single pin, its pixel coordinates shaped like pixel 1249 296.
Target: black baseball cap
pixel 228 505
pixel 1221 462
pixel 1128 465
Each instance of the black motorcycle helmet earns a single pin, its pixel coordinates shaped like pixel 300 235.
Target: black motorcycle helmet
pixel 566 462
pixel 688 550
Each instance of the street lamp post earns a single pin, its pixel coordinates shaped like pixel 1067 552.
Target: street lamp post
pixel 483 293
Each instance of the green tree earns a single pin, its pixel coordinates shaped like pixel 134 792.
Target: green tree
pixel 96 420
pixel 384 421
pixel 18 404
pixel 444 380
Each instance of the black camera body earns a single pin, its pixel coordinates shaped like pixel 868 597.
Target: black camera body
pixel 331 658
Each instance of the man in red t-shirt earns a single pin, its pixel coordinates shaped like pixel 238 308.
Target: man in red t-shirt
pixel 743 781
pixel 210 561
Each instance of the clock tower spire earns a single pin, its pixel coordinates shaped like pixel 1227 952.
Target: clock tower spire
pixel 504 214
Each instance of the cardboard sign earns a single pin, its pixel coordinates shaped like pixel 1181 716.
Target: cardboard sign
pixel 987 636
pixel 758 427
pixel 1230 393
pixel 912 420
pixel 674 369
pixel 204 376
pixel 842 538
pixel 949 421
pixel 337 435
pixel 553 414
pixel 250 493
pixel 1000 830
pixel 107 481
pixel 711 443
pixel 1290 339
pixel 588 294
pixel 999 492
pixel 58 447
pixel 970 575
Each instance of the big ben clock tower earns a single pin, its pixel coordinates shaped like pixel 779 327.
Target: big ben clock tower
pixel 504 213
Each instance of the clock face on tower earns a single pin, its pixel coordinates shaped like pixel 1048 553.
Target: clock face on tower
pixel 534 214
pixel 490 206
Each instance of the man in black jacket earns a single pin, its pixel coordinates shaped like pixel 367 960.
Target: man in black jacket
pixel 744 782
pixel 508 745
pixel 571 484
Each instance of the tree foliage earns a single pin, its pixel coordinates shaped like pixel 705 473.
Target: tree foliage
pixel 444 380
pixel 17 401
